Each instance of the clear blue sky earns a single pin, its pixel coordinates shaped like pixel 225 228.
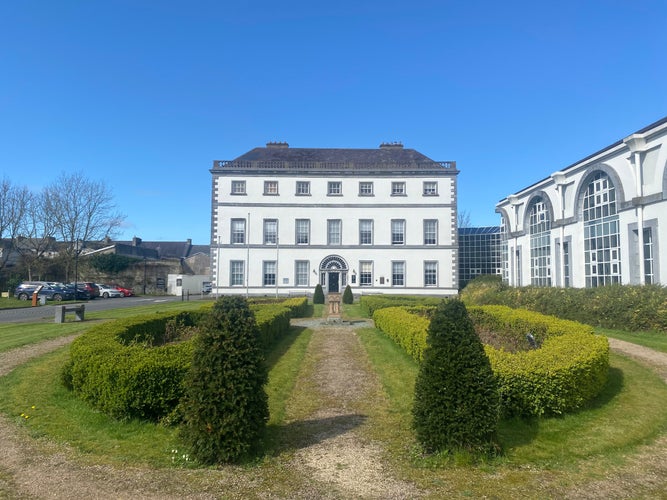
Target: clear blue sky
pixel 146 94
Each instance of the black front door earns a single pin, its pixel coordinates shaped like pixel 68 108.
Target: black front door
pixel 333 282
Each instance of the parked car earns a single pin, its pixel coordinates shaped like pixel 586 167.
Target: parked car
pixel 24 290
pixel 90 287
pixel 81 292
pixel 48 291
pixel 124 292
pixel 107 291
pixel 206 287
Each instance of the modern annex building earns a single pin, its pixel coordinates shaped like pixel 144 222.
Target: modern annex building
pixel 381 220
pixel 479 252
pixel 599 221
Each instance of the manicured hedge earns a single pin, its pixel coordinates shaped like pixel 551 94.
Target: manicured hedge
pixel 568 369
pixel 371 303
pixel 626 307
pixel 114 368
pixel 407 329
pixel 122 368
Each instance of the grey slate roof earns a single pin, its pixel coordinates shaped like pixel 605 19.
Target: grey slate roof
pixel 279 156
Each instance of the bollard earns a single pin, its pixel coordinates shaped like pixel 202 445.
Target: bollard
pixel 34 299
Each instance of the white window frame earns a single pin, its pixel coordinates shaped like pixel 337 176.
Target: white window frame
pixel 366 273
pixel 396 266
pixel 234 273
pixel 428 239
pixel 271 188
pixel 303 188
pixel 237 231
pixel 365 188
pixel 300 235
pixel 335 188
pixel 398 188
pixel 365 232
pixel 430 188
pixel 238 188
pixel 269 269
pixel 397 224
pixel 301 271
pixel 330 225
pixel 270 237
pixel 430 273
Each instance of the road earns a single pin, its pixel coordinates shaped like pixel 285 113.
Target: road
pixel 47 312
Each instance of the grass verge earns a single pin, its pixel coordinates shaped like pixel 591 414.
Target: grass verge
pixel 653 340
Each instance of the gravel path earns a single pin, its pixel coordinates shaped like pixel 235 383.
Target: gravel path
pixel 336 458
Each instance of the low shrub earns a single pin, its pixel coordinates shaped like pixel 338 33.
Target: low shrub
pixel 371 303
pixel 318 295
pixel 348 298
pixel 407 329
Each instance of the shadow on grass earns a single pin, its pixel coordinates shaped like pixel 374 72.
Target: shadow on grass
pixel 305 433
pixel 277 350
pixel 516 432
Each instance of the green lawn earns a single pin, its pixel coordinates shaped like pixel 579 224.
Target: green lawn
pixel 541 457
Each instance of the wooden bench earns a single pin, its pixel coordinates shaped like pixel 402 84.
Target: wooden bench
pixel 78 309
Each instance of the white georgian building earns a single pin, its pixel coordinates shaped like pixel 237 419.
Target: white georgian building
pixel 381 220
pixel 600 221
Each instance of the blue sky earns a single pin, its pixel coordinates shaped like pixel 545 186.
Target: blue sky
pixel 146 94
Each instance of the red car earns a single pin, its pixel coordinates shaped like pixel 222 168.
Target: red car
pixel 124 292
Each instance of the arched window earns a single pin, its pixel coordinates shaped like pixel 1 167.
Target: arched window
pixel 602 248
pixel 540 243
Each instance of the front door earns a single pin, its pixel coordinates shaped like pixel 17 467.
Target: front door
pixel 333 282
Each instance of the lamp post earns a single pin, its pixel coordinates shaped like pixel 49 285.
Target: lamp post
pixel 144 275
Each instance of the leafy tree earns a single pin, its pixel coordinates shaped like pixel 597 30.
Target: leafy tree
pixel 225 406
pixel 348 298
pixel 318 296
pixel 456 402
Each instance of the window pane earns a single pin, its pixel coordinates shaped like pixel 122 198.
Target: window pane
pixel 397 232
pixel 430 232
pixel 430 188
pixel 334 232
pixel 302 188
pixel 236 273
pixel 365 188
pixel 302 231
pixel 365 273
pixel 269 273
pixel 270 187
pixel 335 188
pixel 397 188
pixel 365 232
pixel 398 273
pixel 430 273
pixel 270 231
pixel 238 187
pixel 238 231
pixel 301 272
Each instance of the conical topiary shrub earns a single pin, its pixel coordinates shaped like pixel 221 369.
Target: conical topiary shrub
pixel 318 296
pixel 456 404
pixel 225 406
pixel 348 298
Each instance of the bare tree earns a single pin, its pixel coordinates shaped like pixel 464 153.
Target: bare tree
pixel 463 219
pixel 14 201
pixel 83 210
pixel 37 233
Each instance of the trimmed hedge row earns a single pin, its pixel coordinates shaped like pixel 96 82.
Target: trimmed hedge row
pixel 626 307
pixel 122 369
pixel 114 368
pixel 371 303
pixel 569 369
pixel 405 328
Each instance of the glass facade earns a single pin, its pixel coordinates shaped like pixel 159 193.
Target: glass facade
pixel 479 252
pixel 540 244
